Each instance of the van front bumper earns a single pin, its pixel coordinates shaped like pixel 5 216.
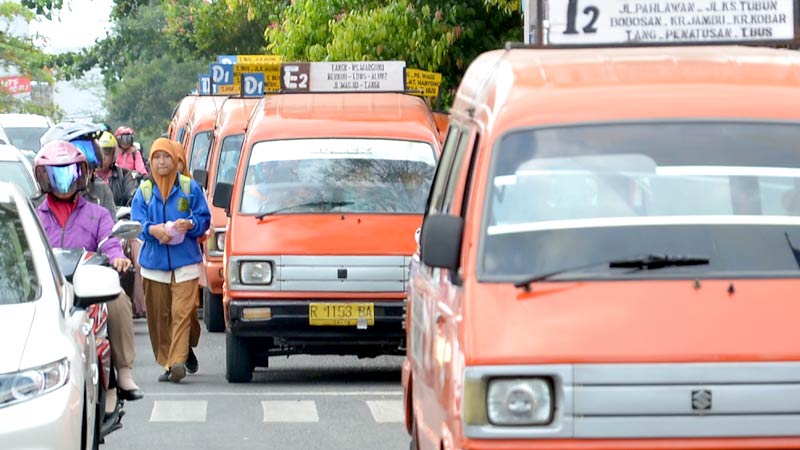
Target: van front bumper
pixel 289 325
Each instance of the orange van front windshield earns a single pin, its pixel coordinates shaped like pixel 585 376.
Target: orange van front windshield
pixel 338 176
pixel 571 196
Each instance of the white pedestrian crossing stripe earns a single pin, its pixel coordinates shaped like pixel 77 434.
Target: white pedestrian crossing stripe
pixel 384 411
pixel 179 411
pixel 290 411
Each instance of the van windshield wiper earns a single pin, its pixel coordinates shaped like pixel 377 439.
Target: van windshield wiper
pixel 651 261
pixel 320 204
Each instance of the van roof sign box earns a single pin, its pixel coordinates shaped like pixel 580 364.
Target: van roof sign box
pixel 557 23
pixel 355 76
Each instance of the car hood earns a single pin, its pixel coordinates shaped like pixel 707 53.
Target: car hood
pixel 633 321
pixel 15 325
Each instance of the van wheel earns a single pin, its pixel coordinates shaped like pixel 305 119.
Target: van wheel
pixel 213 315
pixel 238 368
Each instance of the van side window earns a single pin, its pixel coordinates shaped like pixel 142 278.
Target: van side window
pixel 455 171
pixel 436 197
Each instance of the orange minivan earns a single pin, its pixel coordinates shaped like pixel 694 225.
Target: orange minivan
pixel 196 139
pixel 610 256
pixel 180 114
pixel 329 192
pixel 226 148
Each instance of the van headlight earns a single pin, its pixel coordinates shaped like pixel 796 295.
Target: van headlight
pixel 28 384
pixel 519 401
pixel 255 272
pixel 219 240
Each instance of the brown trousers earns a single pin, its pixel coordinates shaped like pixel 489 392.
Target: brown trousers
pixel 172 319
pixel 120 332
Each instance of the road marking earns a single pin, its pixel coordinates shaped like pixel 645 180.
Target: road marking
pixel 278 394
pixel 290 411
pixel 384 411
pixel 179 411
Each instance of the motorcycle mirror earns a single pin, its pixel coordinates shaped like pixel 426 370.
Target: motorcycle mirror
pixel 123 211
pixel 126 229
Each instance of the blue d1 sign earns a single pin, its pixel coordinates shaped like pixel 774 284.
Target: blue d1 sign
pixel 227 59
pixel 204 84
pixel 253 84
pixel 222 74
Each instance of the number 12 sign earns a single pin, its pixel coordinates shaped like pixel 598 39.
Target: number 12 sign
pixel 598 22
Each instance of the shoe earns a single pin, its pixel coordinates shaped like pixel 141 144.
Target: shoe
pixel 177 372
pixel 164 376
pixel 191 362
pixel 131 394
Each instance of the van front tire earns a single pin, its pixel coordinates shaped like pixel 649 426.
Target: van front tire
pixel 238 368
pixel 213 315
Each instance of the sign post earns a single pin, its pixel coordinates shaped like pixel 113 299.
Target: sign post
pixel 660 22
pixel 353 76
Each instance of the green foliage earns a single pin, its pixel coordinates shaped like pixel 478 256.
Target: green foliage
pixel 436 35
pixel 44 8
pixel 149 93
pixel 20 54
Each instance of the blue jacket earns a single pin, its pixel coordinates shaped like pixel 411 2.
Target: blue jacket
pixel 157 256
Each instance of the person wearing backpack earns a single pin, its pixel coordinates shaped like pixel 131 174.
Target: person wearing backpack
pixel 173 212
pixel 128 156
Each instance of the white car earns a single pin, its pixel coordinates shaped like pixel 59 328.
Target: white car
pixel 4 139
pixel 24 131
pixel 48 362
pixel 15 168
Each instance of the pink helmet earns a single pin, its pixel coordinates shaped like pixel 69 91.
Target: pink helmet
pixel 61 168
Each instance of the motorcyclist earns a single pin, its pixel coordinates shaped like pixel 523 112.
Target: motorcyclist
pixel 84 136
pixel 128 156
pixel 121 181
pixel 70 221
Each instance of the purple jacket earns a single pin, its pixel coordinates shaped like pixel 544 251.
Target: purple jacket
pixel 88 224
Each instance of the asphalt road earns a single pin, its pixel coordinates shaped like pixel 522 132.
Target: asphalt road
pixel 299 402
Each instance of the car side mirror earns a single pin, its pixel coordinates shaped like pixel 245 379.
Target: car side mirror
pixel 95 284
pixel 201 177
pixel 441 241
pixel 222 196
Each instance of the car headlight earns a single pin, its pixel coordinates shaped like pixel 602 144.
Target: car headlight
pixel 30 383
pixel 519 401
pixel 255 272
pixel 219 239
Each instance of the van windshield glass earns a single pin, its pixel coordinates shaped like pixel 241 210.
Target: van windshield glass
pixel 567 196
pixel 338 176
pixel 229 158
pixel 199 154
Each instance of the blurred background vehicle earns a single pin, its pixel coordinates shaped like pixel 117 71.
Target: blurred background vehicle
pixel 24 131
pixel 15 168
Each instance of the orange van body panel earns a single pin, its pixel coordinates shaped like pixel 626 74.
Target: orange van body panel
pixel 638 321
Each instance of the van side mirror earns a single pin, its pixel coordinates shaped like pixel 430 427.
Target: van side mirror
pixel 201 177
pixel 441 241
pixel 222 196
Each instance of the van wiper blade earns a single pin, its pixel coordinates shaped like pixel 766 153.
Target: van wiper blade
pixel 649 261
pixel 319 204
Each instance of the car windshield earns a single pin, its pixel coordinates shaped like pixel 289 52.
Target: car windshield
pixel 568 196
pixel 17 173
pixel 229 158
pixel 18 280
pixel 199 152
pixel 338 176
pixel 26 138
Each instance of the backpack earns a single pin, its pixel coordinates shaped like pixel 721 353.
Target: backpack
pixel 147 187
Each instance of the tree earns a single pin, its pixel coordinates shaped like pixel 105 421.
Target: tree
pixel 436 35
pixel 21 54
pixel 146 96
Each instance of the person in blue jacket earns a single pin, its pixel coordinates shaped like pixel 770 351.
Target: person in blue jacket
pixel 173 212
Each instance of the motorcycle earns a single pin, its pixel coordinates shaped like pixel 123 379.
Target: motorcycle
pixel 68 260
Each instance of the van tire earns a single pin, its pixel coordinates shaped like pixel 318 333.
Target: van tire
pixel 213 315
pixel 238 367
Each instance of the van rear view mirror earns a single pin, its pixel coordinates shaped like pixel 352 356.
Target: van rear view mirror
pixel 222 196
pixel 441 241
pixel 201 177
